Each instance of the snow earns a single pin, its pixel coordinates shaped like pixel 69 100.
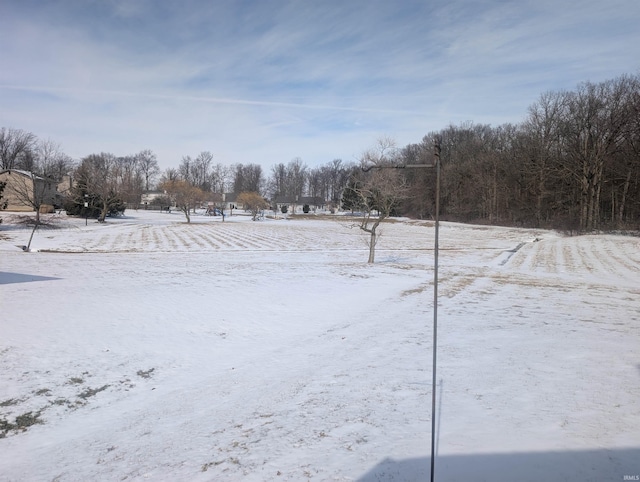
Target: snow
pixel 270 351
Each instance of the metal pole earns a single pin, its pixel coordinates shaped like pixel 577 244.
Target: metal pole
pixel 437 148
pixel 435 309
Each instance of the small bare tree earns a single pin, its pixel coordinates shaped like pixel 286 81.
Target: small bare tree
pixel 253 202
pixel 379 189
pixel 183 194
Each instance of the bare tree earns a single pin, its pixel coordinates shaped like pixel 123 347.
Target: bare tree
pixel 97 177
pixel 201 170
pixel 186 170
pixel 625 171
pixel 278 181
pixel 594 132
pixel 148 165
pixel 380 189
pixel 253 202
pixel 220 178
pixel 184 194
pixel 14 145
pixel 541 149
pixel 37 188
pixel 317 182
pixel 297 173
pixel 247 178
pixel 169 174
pixel 128 178
pixel 290 181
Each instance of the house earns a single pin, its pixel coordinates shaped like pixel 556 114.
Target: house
pixel 315 203
pixel 152 197
pixel 279 202
pixel 230 201
pixel 296 204
pixel 25 191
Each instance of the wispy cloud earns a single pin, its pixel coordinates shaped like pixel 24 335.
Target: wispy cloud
pixel 202 99
pixel 260 79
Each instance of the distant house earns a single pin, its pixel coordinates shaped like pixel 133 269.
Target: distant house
pixel 296 204
pixel 25 190
pixel 151 197
pixel 230 201
pixel 315 203
pixel 281 201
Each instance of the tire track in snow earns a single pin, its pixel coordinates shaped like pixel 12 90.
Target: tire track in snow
pixel 620 257
pixel 193 237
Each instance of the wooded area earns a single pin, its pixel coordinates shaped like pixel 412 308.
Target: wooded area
pixel 574 163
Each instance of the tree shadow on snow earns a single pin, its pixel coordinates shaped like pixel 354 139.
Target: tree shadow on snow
pixel 582 465
pixel 8 278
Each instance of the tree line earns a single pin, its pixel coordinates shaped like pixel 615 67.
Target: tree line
pixel 573 163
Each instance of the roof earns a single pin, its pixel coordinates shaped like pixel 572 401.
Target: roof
pixel 28 174
pixel 299 200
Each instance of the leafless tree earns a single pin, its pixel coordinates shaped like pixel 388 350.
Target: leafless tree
pixel 625 171
pixel 148 165
pixel 278 180
pixel 380 189
pixel 186 170
pixel 297 173
pixel 184 194
pixel 220 178
pixel 253 202
pixel 14 145
pixel 129 179
pixel 594 132
pixel 247 178
pixel 541 149
pixel 169 174
pixel 202 170
pixel 97 175
pixel 37 188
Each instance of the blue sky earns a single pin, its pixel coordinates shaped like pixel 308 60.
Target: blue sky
pixel 267 81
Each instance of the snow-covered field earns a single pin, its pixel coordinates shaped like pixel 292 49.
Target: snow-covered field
pixel 150 349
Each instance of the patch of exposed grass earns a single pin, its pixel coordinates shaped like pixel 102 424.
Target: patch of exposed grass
pixel 145 374
pixel 206 466
pixel 21 423
pixel 90 392
pixel 9 402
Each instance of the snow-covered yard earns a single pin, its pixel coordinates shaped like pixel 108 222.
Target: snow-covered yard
pixel 149 349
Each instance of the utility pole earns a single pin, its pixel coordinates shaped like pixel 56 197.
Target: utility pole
pixel 436 153
pixel 436 165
